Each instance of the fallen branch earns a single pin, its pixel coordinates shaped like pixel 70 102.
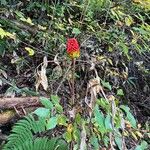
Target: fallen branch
pixel 19 102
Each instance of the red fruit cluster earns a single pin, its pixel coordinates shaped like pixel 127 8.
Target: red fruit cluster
pixel 73 49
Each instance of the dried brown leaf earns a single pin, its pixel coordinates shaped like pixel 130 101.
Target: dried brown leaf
pixel 94 85
pixel 41 76
pixel 94 88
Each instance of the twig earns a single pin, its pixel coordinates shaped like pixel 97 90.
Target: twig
pixel 73 88
pixel 84 12
pixel 38 50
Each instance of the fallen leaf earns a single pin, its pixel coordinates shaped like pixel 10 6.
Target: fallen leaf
pixel 41 76
pixel 94 88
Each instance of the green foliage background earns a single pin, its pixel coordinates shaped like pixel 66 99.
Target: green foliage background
pixel 115 33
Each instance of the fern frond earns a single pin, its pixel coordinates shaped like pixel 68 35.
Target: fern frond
pixel 40 144
pixel 22 136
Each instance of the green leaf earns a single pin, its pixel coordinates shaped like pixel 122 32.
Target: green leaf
pixel 76 31
pixel 61 145
pixel 130 117
pixel 62 120
pixel 78 119
pixel 106 140
pixel 108 122
pixel 2 33
pixel 104 104
pixel 120 92
pixel 68 136
pixel 118 140
pixel 28 20
pixel 19 14
pixel 46 102
pixel 2 47
pixel 128 21
pixel 30 51
pixel 142 146
pixel 42 112
pixel 131 81
pixel 107 85
pixel 99 118
pixel 53 143
pixel 59 108
pixel 118 120
pixel 51 123
pixel 94 142
pixel 76 133
pixel 55 99
pixel 75 147
pixel 124 48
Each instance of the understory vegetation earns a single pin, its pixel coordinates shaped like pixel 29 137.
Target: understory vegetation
pixel 110 81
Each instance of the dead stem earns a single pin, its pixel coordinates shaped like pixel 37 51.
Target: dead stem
pixel 73 84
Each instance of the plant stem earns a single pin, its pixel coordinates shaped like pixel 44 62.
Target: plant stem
pixel 73 86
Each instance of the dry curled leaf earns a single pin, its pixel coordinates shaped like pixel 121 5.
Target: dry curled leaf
pixel 41 76
pixel 94 88
pixel 94 85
